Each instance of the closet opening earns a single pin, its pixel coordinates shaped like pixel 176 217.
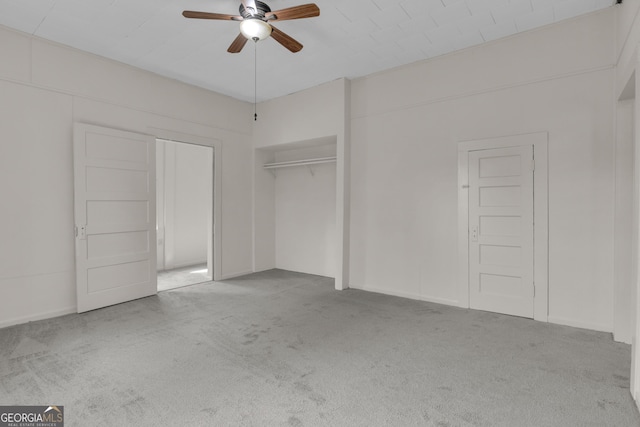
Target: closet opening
pixel 298 182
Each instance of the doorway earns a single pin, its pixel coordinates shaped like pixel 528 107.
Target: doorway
pixel 502 193
pixel 184 213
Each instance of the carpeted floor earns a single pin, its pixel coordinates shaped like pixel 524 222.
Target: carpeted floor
pixel 281 348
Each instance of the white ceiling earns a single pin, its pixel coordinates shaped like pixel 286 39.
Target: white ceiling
pixel 350 38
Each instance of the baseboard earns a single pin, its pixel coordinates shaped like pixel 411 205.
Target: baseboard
pixel 408 295
pixel 185 265
pixel 578 324
pixel 39 316
pixel 304 272
pixel 266 268
pixel 226 276
pixel 623 338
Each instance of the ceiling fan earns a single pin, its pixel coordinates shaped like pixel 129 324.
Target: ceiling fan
pixel 255 22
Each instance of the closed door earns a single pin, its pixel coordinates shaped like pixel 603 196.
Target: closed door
pixel 501 230
pixel 114 177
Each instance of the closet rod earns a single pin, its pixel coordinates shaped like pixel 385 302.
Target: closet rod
pixel 300 162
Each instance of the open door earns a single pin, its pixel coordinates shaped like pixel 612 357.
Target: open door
pixel 114 187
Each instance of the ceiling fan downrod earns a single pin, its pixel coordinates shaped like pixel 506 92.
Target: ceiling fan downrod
pixel 249 11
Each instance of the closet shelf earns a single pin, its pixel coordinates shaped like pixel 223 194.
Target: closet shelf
pixel 305 162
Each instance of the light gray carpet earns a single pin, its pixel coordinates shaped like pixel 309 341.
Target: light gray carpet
pixel 184 276
pixel 280 348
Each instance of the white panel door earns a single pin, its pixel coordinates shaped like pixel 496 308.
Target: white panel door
pixel 501 230
pixel 115 216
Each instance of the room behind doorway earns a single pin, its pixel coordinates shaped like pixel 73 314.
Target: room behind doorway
pixel 184 213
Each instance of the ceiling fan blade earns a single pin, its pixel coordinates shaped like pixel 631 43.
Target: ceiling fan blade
pixel 237 44
pixel 303 11
pixel 285 40
pixel 208 15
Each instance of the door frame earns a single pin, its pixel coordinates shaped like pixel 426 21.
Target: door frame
pixel 539 141
pixel 215 240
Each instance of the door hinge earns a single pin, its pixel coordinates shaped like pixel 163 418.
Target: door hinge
pixel 474 233
pixel 81 232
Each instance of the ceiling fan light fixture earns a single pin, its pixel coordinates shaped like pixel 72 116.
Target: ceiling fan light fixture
pixel 255 29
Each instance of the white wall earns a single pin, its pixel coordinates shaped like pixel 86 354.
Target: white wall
pixel 627 88
pixel 185 189
pixel 627 39
pixel 623 289
pixel 44 89
pixel 304 118
pixel 314 113
pixel 405 127
pixel 264 213
pixel 305 213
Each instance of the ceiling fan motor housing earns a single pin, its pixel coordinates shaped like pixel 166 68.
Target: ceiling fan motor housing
pixel 262 10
